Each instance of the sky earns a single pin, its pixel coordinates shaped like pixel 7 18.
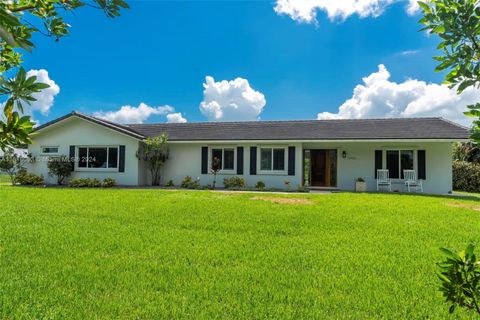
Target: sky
pixel 179 61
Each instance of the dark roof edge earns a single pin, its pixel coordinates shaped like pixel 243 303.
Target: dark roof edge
pixel 108 124
pixel 290 121
pixel 455 124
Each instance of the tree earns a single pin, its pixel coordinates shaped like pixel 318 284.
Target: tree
pixel 18 21
pixel 215 168
pixel 155 154
pixel 466 151
pixel 61 167
pixel 11 164
pixel 457 23
pixel 460 278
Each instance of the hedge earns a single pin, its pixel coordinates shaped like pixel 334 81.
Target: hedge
pixel 466 176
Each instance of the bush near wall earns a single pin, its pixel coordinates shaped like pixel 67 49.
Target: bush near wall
pixel 466 176
pixel 28 179
pixel 234 182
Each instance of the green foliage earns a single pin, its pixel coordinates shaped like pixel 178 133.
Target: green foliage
pixel 175 254
pixel 155 154
pixel 457 23
pixel 11 164
pixel 169 183
pixel 18 25
pixel 61 167
pixel 215 168
pixel 85 182
pixel 466 151
pixel 460 278
pixel 466 176
pixel 260 185
pixel 189 183
pixel 108 183
pixel 28 179
pixel 234 182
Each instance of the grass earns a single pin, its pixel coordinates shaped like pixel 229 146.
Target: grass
pixel 81 254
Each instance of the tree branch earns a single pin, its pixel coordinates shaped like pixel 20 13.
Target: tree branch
pixel 22 8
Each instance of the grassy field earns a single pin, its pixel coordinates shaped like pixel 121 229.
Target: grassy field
pixel 82 254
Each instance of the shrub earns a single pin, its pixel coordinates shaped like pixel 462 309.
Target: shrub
pixel 460 278
pixel 466 176
pixel 169 183
pixel 108 183
pixel 61 167
pixel 287 184
pixel 11 164
pixel 189 183
pixel 28 179
pixel 260 185
pixel 234 182
pixel 85 182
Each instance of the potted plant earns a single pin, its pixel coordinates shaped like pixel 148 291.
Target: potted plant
pixel 360 185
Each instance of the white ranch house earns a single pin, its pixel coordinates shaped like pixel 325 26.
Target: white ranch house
pixel 328 154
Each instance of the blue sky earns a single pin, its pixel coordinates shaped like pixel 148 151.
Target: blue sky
pixel 159 53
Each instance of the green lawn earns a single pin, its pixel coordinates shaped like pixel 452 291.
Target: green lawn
pixel 83 254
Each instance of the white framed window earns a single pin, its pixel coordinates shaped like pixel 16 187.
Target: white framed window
pixel 102 158
pixel 49 149
pixel 226 156
pixel 272 159
pixel 398 160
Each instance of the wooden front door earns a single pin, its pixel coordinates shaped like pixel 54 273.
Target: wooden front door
pixel 323 171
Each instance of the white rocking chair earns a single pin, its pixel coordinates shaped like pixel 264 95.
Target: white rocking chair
pixel 383 180
pixel 410 178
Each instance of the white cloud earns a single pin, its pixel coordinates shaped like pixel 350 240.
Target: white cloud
pixel 46 97
pixel 129 114
pixel 413 7
pixel 305 11
pixel 378 97
pixel 176 118
pixel 231 100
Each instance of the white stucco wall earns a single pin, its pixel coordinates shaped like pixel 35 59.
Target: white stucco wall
pixel 79 132
pixel 185 159
pixel 360 162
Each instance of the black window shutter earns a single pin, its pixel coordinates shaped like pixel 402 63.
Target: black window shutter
pixel 291 161
pixel 72 157
pixel 253 160
pixel 422 170
pixel 121 159
pixel 378 161
pixel 204 160
pixel 239 160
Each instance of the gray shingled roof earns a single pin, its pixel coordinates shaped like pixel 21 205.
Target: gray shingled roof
pixel 358 129
pixel 365 129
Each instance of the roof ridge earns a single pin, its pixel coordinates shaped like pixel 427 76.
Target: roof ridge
pixel 286 121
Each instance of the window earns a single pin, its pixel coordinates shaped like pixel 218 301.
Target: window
pixel 49 150
pixel 272 159
pixel 397 161
pixel 98 157
pixel 226 157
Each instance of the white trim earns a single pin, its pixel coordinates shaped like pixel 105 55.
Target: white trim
pixel 49 153
pixel 223 147
pixel 89 169
pixel 399 150
pixel 120 130
pixel 272 172
pixel 213 142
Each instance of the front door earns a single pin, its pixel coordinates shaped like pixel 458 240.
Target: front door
pixel 323 167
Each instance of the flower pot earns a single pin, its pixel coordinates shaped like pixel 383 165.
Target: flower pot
pixel 360 186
